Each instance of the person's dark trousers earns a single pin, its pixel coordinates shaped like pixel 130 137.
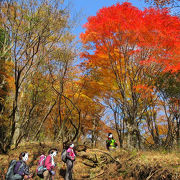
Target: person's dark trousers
pixel 69 168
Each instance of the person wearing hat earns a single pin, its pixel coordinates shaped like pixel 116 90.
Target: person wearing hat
pixel 110 142
pixel 70 161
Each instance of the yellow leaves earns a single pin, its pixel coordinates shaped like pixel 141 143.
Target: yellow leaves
pixel 67 37
pixel 163 129
pixel 52 38
pixel 31 86
pixel 10 81
pixel 6 72
pixel 85 97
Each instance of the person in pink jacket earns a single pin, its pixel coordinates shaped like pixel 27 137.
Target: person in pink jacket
pixel 70 161
pixel 50 165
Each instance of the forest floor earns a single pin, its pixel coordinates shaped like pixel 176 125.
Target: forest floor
pixel 103 165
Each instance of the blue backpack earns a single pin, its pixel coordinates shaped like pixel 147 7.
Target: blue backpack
pixel 10 173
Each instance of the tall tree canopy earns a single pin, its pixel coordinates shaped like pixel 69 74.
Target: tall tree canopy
pixel 153 30
pixel 124 47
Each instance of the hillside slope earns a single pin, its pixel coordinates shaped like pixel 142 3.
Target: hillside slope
pixel 103 165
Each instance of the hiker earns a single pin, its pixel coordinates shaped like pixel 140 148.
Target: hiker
pixel 110 142
pixel 50 165
pixel 41 166
pixel 21 169
pixel 70 161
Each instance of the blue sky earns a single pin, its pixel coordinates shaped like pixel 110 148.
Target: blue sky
pixel 86 8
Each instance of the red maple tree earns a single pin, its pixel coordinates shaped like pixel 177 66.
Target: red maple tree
pixel 151 35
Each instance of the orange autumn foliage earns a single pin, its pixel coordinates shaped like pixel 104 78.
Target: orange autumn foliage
pixel 120 25
pixel 146 91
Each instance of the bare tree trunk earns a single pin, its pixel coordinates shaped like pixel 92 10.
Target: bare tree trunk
pixel 129 137
pixel 118 129
pixel 178 131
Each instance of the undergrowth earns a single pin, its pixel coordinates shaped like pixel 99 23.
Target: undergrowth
pixel 101 164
